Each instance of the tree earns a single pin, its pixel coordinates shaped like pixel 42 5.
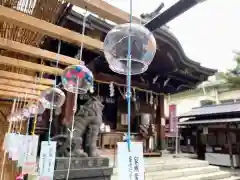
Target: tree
pixel 233 76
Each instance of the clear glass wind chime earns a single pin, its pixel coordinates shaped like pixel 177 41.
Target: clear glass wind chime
pixel 129 50
pixel 53 97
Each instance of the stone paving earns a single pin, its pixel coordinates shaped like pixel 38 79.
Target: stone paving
pixel 182 166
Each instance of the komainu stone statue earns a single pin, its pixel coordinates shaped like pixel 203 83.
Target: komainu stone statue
pixel 87 121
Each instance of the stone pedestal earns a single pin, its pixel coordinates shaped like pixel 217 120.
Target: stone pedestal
pixel 91 168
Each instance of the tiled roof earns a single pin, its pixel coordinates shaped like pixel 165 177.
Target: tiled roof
pixel 209 121
pixel 212 110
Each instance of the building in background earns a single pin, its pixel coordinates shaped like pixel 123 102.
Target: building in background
pixel 208 93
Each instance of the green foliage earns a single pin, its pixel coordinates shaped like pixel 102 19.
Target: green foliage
pixel 232 76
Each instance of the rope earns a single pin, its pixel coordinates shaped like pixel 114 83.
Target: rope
pixel 29 118
pixel 23 104
pixel 129 64
pixel 55 86
pixel 124 85
pixel 75 100
pixel 36 114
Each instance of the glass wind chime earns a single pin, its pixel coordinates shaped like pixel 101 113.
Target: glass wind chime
pixel 129 50
pixel 78 78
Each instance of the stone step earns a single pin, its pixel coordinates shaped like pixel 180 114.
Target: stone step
pixel 171 165
pixel 210 176
pixel 178 173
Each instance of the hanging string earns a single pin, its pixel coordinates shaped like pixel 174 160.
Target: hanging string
pixel 18 118
pixel 53 96
pixel 22 106
pixel 75 99
pixel 129 64
pixel 14 128
pixel 29 118
pixel 36 114
pixel 9 130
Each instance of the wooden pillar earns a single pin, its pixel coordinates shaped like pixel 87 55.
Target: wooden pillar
pixel 229 141
pixel 159 123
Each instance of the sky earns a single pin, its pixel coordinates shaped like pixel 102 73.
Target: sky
pixel 209 32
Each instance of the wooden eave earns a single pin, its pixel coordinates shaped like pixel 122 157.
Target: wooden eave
pixel 116 15
pixel 22 20
pixel 161 34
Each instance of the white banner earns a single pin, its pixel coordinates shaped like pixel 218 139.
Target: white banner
pixel 47 160
pixel 130 163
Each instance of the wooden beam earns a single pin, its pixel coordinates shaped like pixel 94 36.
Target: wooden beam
pixel 52 70
pixel 18 89
pixel 45 28
pixel 113 78
pixel 23 84
pixel 17 95
pixel 104 10
pixel 29 65
pixel 36 52
pixel 23 77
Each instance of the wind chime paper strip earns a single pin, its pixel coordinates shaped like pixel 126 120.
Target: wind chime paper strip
pixel 30 164
pixel 47 160
pixel 11 145
pixel 6 141
pixel 23 150
pixel 18 145
pixel 134 169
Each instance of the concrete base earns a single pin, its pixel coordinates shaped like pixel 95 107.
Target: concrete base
pixel 83 169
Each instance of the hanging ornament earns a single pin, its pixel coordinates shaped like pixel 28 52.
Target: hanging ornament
pixel 19 116
pixel 58 111
pixel 143 48
pixel 155 103
pixel 137 104
pixel 122 93
pixel 77 78
pixel 25 113
pixel 147 98
pixel 134 95
pixel 111 89
pixel 52 98
pixel 151 99
pixel 36 108
pixel 91 89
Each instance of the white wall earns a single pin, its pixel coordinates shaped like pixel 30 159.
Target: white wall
pixel 186 101
pixel 229 95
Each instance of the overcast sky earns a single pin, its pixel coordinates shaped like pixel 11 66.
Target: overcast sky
pixel 208 32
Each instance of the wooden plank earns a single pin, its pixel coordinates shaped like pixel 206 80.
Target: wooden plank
pixel 104 10
pixel 29 65
pixel 45 28
pixel 36 52
pixel 23 77
pixel 18 89
pixel 16 95
pixel 23 84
